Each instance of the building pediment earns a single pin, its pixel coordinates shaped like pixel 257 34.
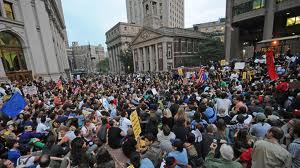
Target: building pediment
pixel 145 35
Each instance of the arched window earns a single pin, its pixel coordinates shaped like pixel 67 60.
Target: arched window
pixel 11 53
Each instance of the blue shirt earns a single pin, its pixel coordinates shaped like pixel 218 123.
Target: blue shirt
pixel 146 163
pixel 179 156
pixel 13 156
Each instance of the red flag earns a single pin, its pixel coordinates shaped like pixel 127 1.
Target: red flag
pixel 270 65
pixel 200 74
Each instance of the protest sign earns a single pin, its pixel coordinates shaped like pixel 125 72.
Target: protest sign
pixel 29 90
pixel 135 124
pixel 239 65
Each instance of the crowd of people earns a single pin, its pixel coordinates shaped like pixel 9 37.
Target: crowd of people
pixel 234 119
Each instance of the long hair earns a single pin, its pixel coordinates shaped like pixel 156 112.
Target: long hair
pixel 103 156
pixel 77 151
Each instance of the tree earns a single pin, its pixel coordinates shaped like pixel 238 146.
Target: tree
pixel 103 66
pixel 126 58
pixel 211 49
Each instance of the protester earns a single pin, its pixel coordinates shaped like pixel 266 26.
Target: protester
pixel 268 152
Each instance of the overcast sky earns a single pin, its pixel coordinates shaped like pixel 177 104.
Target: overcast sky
pixel 88 20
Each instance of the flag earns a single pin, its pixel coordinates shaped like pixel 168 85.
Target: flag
pixel 14 105
pixel 270 65
pixel 202 76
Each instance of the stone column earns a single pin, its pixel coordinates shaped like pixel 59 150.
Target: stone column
pixel 269 19
pixel 228 29
pixel 156 57
pixel 145 60
pixel 151 59
pixel 2 72
pixel 2 9
pixel 140 60
pixel 165 66
pixel 114 58
pixel 235 43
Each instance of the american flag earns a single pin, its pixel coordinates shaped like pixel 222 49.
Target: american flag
pixel 202 76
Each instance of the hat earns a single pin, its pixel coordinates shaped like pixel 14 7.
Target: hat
pixel 176 142
pixel 260 116
pixel 226 152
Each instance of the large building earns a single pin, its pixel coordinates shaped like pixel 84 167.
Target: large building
pixel 251 22
pixel 118 39
pixel 33 40
pixel 168 13
pixel 165 48
pixel 85 58
pixel 215 29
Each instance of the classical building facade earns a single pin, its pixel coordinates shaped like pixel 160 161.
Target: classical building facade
pixel 33 39
pixel 85 57
pixel 118 39
pixel 216 28
pixel 163 49
pixel 251 21
pixel 168 13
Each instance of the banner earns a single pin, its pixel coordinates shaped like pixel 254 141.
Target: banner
pixel 134 118
pixel 29 90
pixel 14 105
pixel 270 65
pixel 239 65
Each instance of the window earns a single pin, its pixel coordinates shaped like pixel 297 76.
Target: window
pixel 8 7
pixel 248 6
pixel 293 21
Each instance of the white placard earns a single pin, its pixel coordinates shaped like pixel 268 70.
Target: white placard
pixel 154 91
pixel 239 65
pixel 31 90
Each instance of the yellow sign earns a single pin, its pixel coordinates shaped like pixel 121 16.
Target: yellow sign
pixel 180 71
pixel 134 118
pixel 223 62
pixel 244 75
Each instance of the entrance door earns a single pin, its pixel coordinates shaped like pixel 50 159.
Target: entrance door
pixel 12 57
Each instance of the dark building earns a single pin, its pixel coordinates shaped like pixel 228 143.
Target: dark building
pixel 253 25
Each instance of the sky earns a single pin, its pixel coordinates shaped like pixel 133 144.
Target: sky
pixel 88 20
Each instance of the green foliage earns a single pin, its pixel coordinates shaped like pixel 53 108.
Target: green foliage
pixel 126 58
pixel 103 66
pixel 211 49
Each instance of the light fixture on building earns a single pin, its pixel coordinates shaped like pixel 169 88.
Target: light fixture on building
pixel 275 42
pixel 293 33
pixel 287 13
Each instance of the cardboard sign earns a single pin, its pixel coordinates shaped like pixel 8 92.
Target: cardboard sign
pixel 30 90
pixel 180 71
pixel 223 62
pixel 135 125
pixel 239 65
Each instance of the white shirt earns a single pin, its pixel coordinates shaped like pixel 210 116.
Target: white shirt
pixel 42 128
pixel 125 123
pixel 223 104
pixel 84 130
pixel 198 135
pixel 234 76
pixel 247 121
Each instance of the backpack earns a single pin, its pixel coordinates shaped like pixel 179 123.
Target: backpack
pixel 21 163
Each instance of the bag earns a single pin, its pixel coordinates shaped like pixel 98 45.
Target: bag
pixel 21 162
